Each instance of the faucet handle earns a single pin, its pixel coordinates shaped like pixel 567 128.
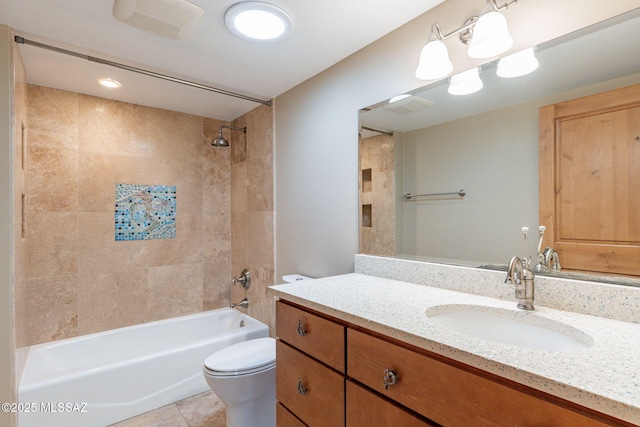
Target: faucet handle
pixel 244 279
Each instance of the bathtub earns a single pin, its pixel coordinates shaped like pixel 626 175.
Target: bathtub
pixel 103 378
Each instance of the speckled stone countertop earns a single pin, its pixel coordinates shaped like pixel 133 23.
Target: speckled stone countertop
pixel 604 377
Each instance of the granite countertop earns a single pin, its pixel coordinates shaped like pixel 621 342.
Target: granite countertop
pixel 604 377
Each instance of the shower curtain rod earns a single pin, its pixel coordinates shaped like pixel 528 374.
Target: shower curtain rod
pixel 22 40
pixel 377 130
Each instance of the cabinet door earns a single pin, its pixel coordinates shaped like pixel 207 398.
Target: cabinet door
pixel 319 337
pixel 310 390
pixel 448 395
pixel 590 181
pixel 286 418
pixel 365 409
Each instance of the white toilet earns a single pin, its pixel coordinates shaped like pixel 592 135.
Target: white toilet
pixel 243 376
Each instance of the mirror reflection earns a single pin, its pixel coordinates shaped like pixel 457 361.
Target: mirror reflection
pixel 485 143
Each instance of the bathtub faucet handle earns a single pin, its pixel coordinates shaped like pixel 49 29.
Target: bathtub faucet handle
pixel 244 279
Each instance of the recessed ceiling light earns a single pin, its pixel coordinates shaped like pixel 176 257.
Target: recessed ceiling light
pixel 258 22
pixel 110 83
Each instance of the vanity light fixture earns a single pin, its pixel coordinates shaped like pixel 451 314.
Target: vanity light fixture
pixel 517 64
pixel 110 83
pixel 258 22
pixel 466 82
pixel 485 33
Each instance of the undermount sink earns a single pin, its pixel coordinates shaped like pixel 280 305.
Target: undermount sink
pixel 518 328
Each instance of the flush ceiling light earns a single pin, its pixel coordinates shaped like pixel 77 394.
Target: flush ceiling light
pixel 517 64
pixel 258 22
pixel 465 83
pixel 485 33
pixel 110 83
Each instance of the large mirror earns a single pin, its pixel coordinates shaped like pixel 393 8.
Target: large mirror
pixel 485 144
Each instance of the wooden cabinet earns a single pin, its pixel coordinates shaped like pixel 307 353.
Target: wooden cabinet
pixel 448 394
pixel 317 336
pixel 366 409
pixel 389 383
pixel 310 355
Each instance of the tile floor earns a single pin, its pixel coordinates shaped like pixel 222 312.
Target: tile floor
pixel 201 410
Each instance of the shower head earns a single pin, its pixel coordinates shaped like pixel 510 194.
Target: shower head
pixel 220 140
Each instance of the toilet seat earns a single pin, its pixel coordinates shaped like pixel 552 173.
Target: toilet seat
pixel 247 357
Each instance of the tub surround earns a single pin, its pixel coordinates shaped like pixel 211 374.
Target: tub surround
pixel 601 377
pixel 80 279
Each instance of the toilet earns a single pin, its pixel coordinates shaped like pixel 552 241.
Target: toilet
pixel 243 376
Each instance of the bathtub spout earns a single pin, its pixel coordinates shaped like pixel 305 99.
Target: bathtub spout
pixel 244 303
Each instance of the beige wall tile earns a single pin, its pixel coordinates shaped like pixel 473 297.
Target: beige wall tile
pixel 53 244
pixel 99 250
pixel 175 136
pixel 174 290
pixel 217 283
pixel 107 126
pixel 217 236
pixel 53 308
pixel 186 248
pixel 53 117
pixel 260 184
pixel 260 239
pixel 216 185
pixel 239 185
pixel 111 300
pixel 53 179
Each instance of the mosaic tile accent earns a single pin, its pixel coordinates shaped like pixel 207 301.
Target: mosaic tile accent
pixel 145 212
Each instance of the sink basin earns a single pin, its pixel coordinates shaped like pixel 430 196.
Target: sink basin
pixel 517 328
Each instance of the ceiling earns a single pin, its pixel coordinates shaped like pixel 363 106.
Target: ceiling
pixel 324 32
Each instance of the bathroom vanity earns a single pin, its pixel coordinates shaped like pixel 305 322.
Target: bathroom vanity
pixel 360 350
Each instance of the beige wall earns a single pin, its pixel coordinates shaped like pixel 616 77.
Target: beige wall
pixel 502 188
pixel 316 122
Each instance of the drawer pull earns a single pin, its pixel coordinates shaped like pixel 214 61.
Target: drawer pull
pixel 301 330
pixel 390 378
pixel 302 390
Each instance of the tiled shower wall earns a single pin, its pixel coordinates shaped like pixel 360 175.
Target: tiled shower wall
pixel 80 280
pixel 252 212
pixel 377 195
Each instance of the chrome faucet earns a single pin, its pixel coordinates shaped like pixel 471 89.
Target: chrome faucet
pixel 519 273
pixel 547 259
pixel 522 277
pixel 244 303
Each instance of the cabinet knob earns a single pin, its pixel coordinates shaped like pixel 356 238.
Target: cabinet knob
pixel 390 378
pixel 302 390
pixel 301 330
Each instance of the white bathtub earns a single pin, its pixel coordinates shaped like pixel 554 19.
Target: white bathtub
pixel 102 378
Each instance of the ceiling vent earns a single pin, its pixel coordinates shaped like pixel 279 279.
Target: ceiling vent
pixel 408 105
pixel 174 19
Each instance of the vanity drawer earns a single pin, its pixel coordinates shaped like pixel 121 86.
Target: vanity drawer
pixel 285 418
pixel 318 337
pixel 447 394
pixel 366 409
pixel 309 389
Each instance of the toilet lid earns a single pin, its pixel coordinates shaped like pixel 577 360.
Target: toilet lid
pixel 252 355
